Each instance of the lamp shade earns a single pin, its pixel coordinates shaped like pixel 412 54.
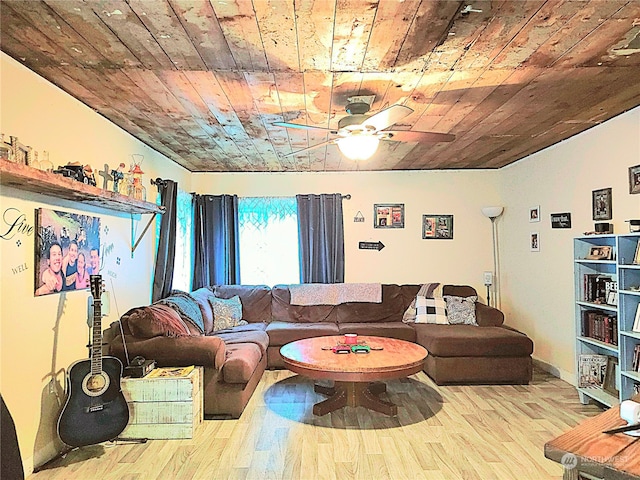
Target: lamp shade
pixel 492 212
pixel 358 147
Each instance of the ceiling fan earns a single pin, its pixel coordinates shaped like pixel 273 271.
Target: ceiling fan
pixel 359 134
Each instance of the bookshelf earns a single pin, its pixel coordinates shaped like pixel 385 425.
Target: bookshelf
pixel 603 321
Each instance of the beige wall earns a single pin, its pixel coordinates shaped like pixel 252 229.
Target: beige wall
pixel 406 258
pixel 39 337
pixel 537 287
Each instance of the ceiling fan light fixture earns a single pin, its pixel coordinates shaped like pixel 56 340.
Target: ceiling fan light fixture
pixel 358 147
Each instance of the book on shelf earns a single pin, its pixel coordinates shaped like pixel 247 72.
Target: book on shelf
pixel 591 370
pixel 600 326
pixel 597 287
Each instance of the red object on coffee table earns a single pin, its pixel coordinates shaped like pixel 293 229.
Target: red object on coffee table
pixel 357 378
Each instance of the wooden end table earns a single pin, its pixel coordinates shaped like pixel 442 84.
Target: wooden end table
pixel 585 449
pixel 357 377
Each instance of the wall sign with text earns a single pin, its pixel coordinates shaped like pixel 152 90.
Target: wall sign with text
pixel 561 220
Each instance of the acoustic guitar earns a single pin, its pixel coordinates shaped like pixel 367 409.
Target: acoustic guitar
pixel 95 410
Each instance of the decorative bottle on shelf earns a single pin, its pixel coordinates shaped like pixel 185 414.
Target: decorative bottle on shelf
pixel 136 189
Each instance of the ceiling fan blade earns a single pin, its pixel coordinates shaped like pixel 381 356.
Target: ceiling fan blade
pixel 410 136
pixel 303 127
pixel 309 148
pixel 387 117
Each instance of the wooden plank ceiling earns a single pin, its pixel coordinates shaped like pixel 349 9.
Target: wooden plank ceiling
pixel 202 81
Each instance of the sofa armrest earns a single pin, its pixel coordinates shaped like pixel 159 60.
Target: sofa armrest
pixel 487 316
pixel 173 351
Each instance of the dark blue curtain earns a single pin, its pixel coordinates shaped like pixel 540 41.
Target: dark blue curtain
pixel 163 275
pixel 321 237
pixel 216 238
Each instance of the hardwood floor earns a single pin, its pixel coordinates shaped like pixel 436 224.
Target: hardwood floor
pixel 456 432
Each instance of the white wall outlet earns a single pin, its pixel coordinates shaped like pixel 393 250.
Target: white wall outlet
pixel 488 278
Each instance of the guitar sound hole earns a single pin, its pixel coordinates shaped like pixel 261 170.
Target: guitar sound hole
pixel 95 385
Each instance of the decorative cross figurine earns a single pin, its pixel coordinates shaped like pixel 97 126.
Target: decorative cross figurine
pixel 105 175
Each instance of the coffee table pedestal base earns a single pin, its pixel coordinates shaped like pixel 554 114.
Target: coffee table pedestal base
pixel 353 394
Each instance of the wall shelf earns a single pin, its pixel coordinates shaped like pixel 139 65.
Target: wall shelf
pixel 33 180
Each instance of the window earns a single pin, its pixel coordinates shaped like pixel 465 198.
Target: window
pixel 183 260
pixel 268 240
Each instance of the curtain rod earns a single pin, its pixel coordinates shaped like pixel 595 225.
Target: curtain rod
pixel 346 197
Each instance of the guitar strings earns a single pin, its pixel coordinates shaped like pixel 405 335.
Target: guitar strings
pixel 115 302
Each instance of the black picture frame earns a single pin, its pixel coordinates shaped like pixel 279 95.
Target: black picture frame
pixel 634 179
pixel 437 227
pixel 388 215
pixel 602 204
pixel 561 220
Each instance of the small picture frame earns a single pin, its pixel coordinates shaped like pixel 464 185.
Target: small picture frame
pixel 534 241
pixel 534 214
pixel 610 381
pixel 634 179
pixel 604 252
pixel 388 215
pixel 636 257
pixel 437 227
pixel 601 203
pixel 636 323
pixel 612 298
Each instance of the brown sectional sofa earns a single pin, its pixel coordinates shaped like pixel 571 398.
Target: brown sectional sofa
pixel 235 359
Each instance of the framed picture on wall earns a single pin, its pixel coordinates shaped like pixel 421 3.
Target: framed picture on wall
pixel 534 241
pixel 67 251
pixel 601 203
pixel 634 179
pixel 437 227
pixel 534 214
pixel 388 215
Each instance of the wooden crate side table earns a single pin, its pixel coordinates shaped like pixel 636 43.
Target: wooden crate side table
pixel 164 404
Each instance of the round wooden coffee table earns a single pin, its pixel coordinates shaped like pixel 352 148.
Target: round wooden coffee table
pixel 356 376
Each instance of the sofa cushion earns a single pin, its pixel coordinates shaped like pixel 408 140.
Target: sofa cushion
pixel 242 360
pixel 390 310
pixel 283 311
pixel 472 341
pixel 399 330
pixel 255 299
pixel 156 321
pixel 227 313
pixel 461 310
pixel 281 333
pixel 203 296
pixel 234 337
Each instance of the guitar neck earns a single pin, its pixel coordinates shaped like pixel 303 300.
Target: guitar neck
pixel 96 339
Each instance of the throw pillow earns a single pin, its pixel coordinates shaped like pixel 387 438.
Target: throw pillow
pixel 156 321
pixel 461 310
pixel 431 310
pixel 227 313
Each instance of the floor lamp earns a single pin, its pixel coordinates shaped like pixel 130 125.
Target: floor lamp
pixel 492 213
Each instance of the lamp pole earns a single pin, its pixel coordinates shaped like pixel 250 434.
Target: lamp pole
pixel 496 275
pixel 492 213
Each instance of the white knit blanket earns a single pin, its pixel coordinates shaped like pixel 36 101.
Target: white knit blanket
pixel 335 293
